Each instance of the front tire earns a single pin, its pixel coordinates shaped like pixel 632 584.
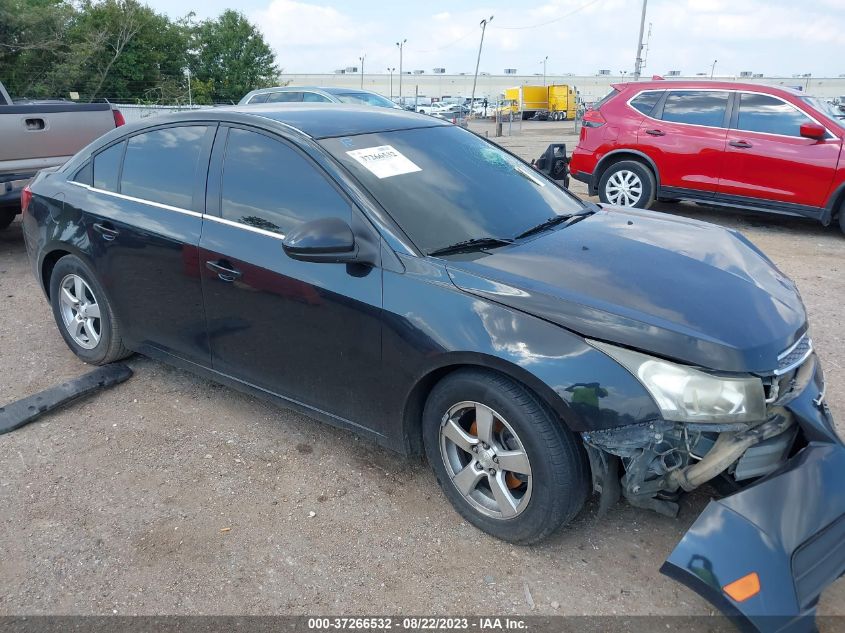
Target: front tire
pixel 627 183
pixel 506 463
pixel 84 313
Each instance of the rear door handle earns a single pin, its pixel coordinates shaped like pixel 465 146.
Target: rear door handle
pixel 224 270
pixel 655 132
pixel 740 144
pixel 106 230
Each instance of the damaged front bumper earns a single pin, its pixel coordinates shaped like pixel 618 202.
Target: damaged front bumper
pixel 783 537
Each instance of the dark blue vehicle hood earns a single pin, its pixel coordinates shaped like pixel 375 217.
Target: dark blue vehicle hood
pixel 674 287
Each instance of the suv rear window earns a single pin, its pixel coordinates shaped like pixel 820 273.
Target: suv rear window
pixel 696 107
pixel 645 101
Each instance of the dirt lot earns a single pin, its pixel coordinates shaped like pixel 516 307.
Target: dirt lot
pixel 169 494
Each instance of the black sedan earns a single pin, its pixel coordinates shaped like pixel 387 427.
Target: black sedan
pixel 403 278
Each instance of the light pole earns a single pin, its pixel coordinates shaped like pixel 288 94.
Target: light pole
pixel 361 59
pixel 713 68
pixel 545 59
pixel 400 46
pixel 623 73
pixel 390 70
pixel 638 63
pixel 483 24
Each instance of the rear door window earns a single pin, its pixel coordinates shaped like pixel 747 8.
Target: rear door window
pixel 161 165
pixel 269 185
pixel 696 107
pixel 107 167
pixel 645 101
pixel 764 113
pixel 284 97
pixel 313 97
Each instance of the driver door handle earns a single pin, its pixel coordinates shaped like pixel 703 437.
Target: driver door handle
pixel 106 230
pixel 224 270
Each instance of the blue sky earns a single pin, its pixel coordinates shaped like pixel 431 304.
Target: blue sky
pixel 781 37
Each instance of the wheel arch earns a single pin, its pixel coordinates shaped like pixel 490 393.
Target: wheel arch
pixel 50 258
pixel 618 155
pixel 835 206
pixel 418 394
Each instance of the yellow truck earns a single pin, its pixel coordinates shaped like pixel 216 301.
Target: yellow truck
pixel 558 102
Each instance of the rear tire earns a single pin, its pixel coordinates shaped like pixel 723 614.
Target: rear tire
pixel 627 183
pixel 84 314
pixel 842 217
pixel 475 424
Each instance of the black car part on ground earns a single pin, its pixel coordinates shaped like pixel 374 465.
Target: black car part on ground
pixel 554 163
pixel 21 412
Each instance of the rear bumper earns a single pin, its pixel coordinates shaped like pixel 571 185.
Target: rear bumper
pixel 789 528
pixel 583 177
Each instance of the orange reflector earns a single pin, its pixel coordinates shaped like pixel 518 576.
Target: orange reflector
pixel 744 588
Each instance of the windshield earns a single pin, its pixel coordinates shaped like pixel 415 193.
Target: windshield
pixel 444 185
pixel 824 107
pixel 366 98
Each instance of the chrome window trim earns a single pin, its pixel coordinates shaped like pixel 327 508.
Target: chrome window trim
pixel 668 90
pixel 239 225
pixel 122 196
pixel 246 227
pixel 792 105
pixel 738 91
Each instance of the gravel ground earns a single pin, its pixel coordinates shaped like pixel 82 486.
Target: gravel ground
pixel 173 495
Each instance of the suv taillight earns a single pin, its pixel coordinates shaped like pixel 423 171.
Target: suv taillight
pixel 118 117
pixel 26 198
pixel 593 118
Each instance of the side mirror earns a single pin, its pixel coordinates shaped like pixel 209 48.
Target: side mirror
pixel 328 240
pixel 813 130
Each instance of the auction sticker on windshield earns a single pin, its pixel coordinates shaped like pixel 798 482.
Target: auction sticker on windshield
pixel 384 161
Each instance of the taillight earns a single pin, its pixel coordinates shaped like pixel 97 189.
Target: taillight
pixel 118 117
pixel 593 118
pixel 26 198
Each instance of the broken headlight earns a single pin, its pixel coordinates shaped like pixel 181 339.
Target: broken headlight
pixel 685 394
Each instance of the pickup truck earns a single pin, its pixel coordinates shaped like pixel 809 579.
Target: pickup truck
pixel 40 134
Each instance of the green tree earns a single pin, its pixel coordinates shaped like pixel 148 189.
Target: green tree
pixel 229 56
pixel 33 38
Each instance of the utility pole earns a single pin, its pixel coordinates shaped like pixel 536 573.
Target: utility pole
pixel 545 59
pixel 483 24
pixel 190 98
pixel 638 64
pixel 361 59
pixel 713 68
pixel 390 70
pixel 400 46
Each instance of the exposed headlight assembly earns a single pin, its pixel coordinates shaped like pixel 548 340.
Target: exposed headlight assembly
pixel 685 394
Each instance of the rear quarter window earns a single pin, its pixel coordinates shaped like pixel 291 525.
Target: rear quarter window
pixel 645 101
pixel 107 167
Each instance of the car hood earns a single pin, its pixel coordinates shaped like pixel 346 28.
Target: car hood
pixel 672 286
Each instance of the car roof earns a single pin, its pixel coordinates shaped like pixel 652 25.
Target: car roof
pixel 315 120
pixel 681 84
pixel 332 90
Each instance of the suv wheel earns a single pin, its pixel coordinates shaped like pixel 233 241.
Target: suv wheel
pixel 506 463
pixel 627 183
pixel 84 314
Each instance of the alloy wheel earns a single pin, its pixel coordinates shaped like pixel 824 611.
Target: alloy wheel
pixel 80 311
pixel 485 460
pixel 624 188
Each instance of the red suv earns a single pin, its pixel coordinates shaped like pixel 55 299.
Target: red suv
pixel 740 145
